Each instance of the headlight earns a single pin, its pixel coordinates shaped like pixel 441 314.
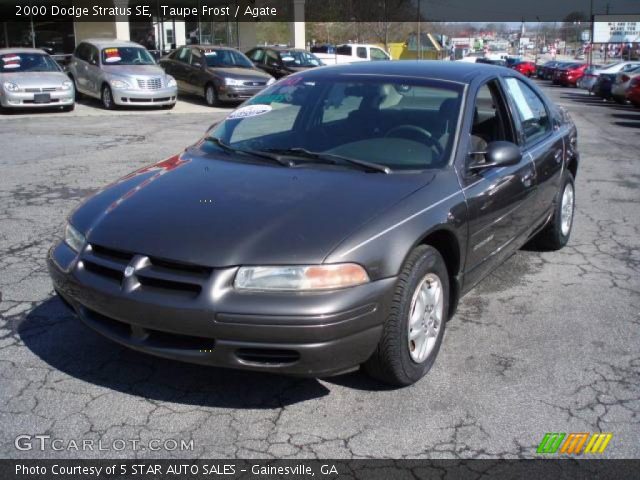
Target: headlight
pixel 119 84
pixel 233 81
pixel 11 87
pixel 171 82
pixel 297 278
pixel 66 85
pixel 74 238
pixel 271 81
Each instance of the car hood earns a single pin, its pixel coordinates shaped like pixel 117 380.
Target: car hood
pixel 35 79
pixel 217 211
pixel 240 73
pixel 136 70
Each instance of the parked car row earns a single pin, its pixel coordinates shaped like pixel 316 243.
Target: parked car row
pixel 619 81
pixel 122 73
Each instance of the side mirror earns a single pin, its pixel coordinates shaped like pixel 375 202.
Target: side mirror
pixel 497 154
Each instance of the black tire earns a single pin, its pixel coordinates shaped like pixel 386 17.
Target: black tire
pixel 211 96
pixel 552 236
pixel 168 107
pixel 107 98
pixel 391 362
pixel 69 108
pixel 620 100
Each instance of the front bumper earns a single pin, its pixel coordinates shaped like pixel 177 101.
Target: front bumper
pixel 142 98
pixel 58 98
pixel 228 93
pixel 311 334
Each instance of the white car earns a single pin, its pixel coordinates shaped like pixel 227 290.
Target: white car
pixel 353 52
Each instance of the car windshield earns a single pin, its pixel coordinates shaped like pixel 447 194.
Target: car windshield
pixel 27 62
pixel 226 58
pixel 299 58
pixel 126 56
pixel 403 124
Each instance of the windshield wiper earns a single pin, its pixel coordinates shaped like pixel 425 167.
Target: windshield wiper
pixel 330 158
pixel 229 149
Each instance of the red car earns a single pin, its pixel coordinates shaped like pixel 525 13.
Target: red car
pixel 633 91
pixel 569 76
pixel 526 68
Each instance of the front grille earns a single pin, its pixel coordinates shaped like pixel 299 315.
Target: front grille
pixel 150 83
pixel 38 90
pixel 254 84
pixel 148 274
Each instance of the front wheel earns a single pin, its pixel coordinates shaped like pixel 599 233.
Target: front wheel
pixel 107 98
pixel 414 329
pixel 556 234
pixel 211 96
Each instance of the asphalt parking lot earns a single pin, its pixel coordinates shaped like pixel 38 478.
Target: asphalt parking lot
pixel 549 343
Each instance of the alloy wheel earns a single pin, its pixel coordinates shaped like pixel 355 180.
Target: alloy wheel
pixel 566 209
pixel 425 318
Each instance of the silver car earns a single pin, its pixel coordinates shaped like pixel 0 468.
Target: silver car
pixel 31 78
pixel 121 73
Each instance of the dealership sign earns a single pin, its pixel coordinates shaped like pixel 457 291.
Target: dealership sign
pixel 616 28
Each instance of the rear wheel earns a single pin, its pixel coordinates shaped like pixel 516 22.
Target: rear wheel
pixel 557 232
pixel 413 331
pixel 107 98
pixel 68 108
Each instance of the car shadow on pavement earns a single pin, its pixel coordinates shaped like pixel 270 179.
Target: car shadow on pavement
pixel 57 337
pixel 627 116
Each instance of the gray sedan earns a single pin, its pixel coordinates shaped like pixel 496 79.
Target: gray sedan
pixel 31 78
pixel 121 73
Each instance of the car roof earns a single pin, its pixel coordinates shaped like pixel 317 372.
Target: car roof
pixel 461 72
pixel 211 47
pixel 17 50
pixel 110 42
pixel 281 49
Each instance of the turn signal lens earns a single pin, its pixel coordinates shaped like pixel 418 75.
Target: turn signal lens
pixel 301 278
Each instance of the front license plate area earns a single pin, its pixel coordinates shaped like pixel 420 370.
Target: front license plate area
pixel 41 98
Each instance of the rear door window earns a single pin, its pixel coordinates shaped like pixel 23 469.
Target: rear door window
pixel 530 110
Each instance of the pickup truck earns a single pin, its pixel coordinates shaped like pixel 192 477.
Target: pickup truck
pixel 349 53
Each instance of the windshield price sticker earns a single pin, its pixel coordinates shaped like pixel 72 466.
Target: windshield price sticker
pixel 211 53
pixel 112 55
pixel 12 61
pixel 249 111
